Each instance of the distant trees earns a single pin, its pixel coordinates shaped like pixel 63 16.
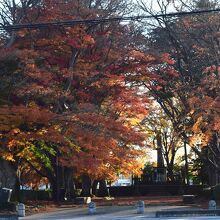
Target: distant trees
pixel 160 133
pixel 192 97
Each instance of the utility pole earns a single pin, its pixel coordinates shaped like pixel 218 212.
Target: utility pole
pixel 186 163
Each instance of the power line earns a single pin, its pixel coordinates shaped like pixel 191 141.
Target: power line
pixel 102 20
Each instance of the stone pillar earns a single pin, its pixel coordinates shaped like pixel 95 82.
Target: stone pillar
pixel 140 207
pixel 21 210
pixel 160 161
pixel 212 205
pixel 92 208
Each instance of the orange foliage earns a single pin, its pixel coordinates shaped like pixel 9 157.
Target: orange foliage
pixel 73 92
pixel 205 103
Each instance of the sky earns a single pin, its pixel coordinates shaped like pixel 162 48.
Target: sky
pixel 155 6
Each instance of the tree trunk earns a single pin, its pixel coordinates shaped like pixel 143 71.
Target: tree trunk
pixel 86 185
pixel 170 165
pixel 55 190
pixel 94 187
pixel 136 187
pixel 17 190
pixel 69 183
pixel 170 173
pixel 213 176
pixel 56 182
pixel 103 190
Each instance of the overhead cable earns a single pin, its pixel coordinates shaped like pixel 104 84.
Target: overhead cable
pixel 17 27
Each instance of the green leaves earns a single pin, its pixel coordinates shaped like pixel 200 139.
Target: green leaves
pixel 43 152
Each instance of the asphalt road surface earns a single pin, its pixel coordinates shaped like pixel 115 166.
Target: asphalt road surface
pixel 111 213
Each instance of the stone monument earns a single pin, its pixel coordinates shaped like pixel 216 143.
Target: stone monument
pixel 140 207
pixel 92 208
pixel 160 172
pixel 212 205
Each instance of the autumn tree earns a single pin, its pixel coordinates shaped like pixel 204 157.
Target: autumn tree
pixel 66 103
pixel 193 42
pixel 205 139
pixel 159 129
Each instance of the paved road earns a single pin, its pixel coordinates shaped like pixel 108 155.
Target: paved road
pixel 111 213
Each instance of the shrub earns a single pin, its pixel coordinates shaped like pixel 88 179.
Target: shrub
pixel 216 192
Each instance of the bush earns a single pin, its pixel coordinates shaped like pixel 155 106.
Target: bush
pixel 212 192
pixel 36 195
pixel 207 193
pixel 7 206
pixel 216 192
